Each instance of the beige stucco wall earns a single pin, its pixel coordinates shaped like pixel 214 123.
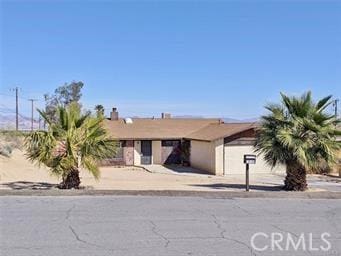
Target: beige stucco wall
pixel 156 152
pixel 202 155
pixel 219 157
pixel 208 156
pixel 234 161
pixel 137 152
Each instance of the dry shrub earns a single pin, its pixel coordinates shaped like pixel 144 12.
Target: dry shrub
pixel 10 140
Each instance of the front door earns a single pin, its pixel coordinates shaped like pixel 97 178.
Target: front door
pixel 146 152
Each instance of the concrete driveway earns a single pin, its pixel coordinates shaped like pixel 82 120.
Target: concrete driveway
pixel 259 182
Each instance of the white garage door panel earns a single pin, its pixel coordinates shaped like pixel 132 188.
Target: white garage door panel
pixel 234 164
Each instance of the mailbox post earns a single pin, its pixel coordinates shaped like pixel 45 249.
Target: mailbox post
pixel 248 159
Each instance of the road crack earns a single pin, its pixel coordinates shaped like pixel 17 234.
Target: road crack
pixel 77 237
pixel 241 208
pixel 68 212
pixel 283 230
pixel 223 236
pixel 154 230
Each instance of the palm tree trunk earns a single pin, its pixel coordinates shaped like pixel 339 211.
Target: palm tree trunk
pixel 71 180
pixel 296 178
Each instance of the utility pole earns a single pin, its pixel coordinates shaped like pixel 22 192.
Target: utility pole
pixel 16 89
pixel 32 111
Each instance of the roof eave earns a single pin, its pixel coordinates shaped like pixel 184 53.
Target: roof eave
pixel 147 138
pixel 223 136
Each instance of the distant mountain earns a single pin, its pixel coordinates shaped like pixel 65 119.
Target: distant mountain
pixel 231 120
pixel 188 116
pixel 225 119
pixel 7 121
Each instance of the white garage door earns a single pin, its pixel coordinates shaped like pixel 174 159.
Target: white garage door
pixel 234 155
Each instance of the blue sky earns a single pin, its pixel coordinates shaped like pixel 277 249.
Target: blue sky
pixel 209 58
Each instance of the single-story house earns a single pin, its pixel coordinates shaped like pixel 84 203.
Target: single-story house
pixel 207 144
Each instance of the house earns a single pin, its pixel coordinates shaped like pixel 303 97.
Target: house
pixel 205 143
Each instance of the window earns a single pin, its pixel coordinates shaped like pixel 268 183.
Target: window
pixel 119 150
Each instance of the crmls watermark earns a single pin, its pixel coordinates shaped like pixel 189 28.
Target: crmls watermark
pixel 261 241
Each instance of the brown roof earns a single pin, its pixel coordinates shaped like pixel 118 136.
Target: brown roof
pixel 216 131
pixel 148 128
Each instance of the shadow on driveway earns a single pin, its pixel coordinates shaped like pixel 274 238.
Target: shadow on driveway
pixel 19 185
pixel 220 186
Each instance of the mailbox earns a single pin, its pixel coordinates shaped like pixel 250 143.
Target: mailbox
pixel 249 159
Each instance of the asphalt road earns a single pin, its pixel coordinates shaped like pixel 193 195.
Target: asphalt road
pixel 142 225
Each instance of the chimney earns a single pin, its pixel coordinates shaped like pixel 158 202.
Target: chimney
pixel 165 115
pixel 114 114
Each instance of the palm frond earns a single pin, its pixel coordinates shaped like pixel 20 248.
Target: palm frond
pixel 44 116
pixel 298 130
pixel 92 166
pixel 83 139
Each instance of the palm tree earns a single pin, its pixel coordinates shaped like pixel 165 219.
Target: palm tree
pixel 300 134
pixel 99 110
pixel 73 141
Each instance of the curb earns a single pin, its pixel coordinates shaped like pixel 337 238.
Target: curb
pixel 175 193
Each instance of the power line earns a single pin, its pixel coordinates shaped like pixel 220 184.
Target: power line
pixel 13 96
pixel 6 94
pixel 5 109
pixel 11 111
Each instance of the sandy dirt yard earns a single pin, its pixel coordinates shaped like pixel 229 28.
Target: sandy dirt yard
pixel 17 172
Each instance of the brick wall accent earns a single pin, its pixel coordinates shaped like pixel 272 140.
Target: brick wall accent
pixel 128 152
